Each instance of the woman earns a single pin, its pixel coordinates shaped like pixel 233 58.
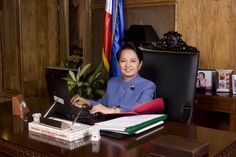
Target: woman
pixel 124 92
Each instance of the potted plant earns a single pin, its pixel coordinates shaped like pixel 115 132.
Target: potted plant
pixel 85 84
pixel 73 62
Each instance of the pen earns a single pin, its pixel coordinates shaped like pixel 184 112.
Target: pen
pixel 50 109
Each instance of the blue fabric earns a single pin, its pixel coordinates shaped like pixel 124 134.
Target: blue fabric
pixel 127 95
pixel 117 36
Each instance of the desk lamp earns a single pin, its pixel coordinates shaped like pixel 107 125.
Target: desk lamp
pixel 141 34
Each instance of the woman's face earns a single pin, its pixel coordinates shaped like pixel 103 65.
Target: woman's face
pixel 129 64
pixel 201 77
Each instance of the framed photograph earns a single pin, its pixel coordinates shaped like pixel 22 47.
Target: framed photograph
pixel 224 80
pixel 234 84
pixel 205 79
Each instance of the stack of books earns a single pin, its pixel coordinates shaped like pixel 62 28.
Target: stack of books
pixel 132 124
pixel 69 132
pixel 59 142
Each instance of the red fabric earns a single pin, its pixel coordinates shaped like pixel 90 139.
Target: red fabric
pixel 107 36
pixel 107 40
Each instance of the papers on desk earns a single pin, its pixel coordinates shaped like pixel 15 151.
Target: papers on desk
pixel 132 124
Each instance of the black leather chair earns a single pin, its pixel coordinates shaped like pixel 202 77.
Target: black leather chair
pixel 172 66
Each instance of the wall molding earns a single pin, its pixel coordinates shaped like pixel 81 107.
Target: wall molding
pixel 150 3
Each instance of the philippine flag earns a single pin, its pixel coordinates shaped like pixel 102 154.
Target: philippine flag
pixel 113 35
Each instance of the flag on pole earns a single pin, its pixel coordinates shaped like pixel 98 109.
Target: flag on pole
pixel 113 35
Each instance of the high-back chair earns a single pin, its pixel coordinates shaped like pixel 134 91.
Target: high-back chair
pixel 172 66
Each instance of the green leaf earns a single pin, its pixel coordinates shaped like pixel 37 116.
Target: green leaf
pixel 70 87
pixel 101 81
pixel 97 75
pixel 86 84
pixel 99 69
pixel 66 78
pixel 91 78
pixel 71 82
pixel 79 84
pixel 78 74
pixel 84 69
pixel 89 91
pixel 72 75
pixel 100 92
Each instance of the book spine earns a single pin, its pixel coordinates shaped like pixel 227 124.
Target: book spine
pixel 53 132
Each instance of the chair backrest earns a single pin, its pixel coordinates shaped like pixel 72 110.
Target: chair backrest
pixel 174 73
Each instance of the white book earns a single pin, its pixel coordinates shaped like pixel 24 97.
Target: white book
pixel 75 132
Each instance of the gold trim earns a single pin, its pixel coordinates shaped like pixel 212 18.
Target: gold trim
pixel 97 6
pixel 139 4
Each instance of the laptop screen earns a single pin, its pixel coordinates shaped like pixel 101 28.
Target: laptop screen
pixel 58 92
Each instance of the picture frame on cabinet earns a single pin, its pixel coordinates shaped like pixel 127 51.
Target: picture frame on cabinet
pixel 234 84
pixel 224 80
pixel 205 79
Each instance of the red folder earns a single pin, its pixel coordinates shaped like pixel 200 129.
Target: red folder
pixel 153 106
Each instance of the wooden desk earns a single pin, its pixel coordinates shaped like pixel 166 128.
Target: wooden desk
pixel 15 140
pixel 218 102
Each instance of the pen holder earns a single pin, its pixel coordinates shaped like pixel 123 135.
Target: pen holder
pixel 95 134
pixel 19 107
pixel 36 117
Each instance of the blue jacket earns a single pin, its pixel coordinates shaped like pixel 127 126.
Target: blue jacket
pixel 127 95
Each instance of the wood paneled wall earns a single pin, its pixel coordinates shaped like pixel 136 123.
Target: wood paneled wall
pixel 39 36
pixel 30 43
pixel 210 25
pixel 10 46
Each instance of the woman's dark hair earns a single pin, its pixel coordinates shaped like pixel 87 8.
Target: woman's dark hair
pixel 130 46
pixel 203 74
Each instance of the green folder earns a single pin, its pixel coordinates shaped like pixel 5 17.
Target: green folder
pixel 133 129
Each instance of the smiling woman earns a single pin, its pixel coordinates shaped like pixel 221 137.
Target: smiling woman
pixel 124 92
pixel 130 61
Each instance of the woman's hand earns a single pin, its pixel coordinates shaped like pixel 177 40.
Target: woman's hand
pixel 78 101
pixel 103 109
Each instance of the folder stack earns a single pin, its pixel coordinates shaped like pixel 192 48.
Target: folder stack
pixel 132 124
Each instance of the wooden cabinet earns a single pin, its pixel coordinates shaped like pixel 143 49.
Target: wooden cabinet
pixel 222 105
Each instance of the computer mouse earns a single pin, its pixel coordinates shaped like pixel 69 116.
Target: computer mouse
pixel 98 114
